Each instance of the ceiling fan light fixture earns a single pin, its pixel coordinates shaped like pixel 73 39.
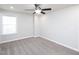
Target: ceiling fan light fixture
pixel 38 11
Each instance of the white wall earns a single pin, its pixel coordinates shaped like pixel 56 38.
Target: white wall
pixel 24 25
pixel 62 26
pixel 36 25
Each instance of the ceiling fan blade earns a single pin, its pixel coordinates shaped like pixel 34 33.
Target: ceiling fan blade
pixel 46 9
pixel 34 12
pixel 29 9
pixel 43 12
pixel 36 6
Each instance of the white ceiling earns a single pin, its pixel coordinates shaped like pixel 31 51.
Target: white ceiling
pixel 22 7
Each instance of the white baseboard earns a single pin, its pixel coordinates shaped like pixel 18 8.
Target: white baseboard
pixel 14 39
pixel 35 36
pixel 61 44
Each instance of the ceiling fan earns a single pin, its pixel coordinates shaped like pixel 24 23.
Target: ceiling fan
pixel 39 10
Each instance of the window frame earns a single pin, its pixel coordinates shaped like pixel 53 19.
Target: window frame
pixel 7 25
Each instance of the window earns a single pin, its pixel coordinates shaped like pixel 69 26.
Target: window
pixel 9 25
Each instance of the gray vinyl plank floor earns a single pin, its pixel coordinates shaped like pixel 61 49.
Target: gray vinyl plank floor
pixel 34 46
